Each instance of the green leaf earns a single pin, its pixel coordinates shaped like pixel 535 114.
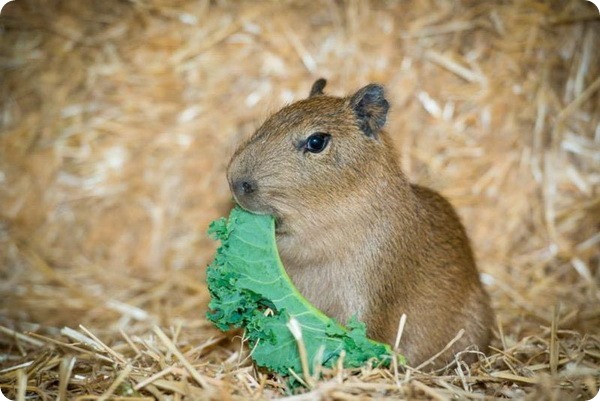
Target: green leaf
pixel 250 288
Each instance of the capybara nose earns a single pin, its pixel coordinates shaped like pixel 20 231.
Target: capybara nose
pixel 243 187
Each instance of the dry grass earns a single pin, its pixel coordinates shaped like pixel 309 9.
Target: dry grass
pixel 118 118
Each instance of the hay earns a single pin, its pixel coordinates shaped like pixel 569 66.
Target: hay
pixel 118 119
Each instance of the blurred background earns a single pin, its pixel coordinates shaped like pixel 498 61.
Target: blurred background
pixel 118 119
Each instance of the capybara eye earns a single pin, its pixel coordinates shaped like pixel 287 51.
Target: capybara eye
pixel 317 142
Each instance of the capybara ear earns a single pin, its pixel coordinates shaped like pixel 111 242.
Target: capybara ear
pixel 317 87
pixel 370 108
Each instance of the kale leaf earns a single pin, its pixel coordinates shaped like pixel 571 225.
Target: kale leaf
pixel 250 289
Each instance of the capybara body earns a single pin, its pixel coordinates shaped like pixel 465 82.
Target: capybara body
pixel 355 236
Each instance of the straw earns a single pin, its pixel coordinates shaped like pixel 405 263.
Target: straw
pixel 118 119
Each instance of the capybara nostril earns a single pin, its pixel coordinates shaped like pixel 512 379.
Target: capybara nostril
pixel 247 187
pixel 244 187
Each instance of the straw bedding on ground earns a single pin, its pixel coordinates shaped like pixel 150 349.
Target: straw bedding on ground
pixel 118 119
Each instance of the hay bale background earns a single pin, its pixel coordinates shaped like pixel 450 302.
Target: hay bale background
pixel 118 119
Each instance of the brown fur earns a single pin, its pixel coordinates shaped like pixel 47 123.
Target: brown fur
pixel 354 235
